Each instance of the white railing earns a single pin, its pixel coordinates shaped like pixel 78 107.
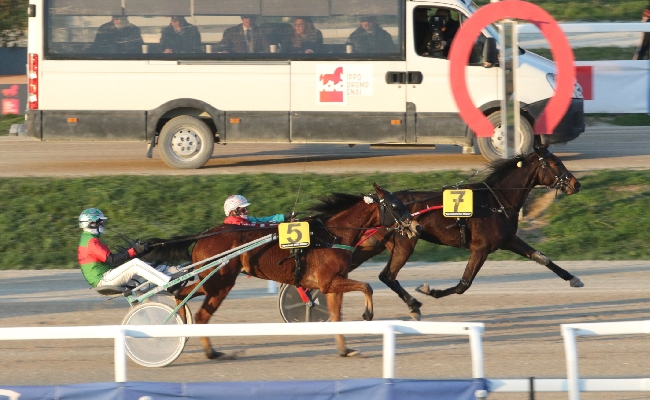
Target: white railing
pixel 575 384
pixel 386 328
pixel 595 27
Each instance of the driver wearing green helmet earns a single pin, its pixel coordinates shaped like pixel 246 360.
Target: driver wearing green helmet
pixel 101 267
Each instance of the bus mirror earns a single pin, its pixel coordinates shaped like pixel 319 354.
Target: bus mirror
pixel 490 53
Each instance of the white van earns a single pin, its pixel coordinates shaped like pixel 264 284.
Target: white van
pixel 186 74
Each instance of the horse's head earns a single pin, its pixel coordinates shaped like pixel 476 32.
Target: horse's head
pixel 393 212
pixel 554 174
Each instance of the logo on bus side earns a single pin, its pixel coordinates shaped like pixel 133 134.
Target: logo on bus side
pixel 338 82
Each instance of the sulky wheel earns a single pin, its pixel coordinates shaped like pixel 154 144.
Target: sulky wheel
pixel 153 352
pixel 294 309
pixel 169 300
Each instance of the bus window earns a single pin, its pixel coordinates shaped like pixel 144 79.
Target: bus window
pixel 236 29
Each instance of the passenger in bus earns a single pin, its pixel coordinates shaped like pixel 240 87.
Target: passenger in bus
pixel 180 37
pixel 306 38
pixel 441 33
pixel 243 38
pixel 118 36
pixel 370 37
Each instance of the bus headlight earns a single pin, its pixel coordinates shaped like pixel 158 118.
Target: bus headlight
pixel 577 89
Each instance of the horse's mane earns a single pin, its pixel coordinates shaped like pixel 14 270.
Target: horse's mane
pixel 500 168
pixel 335 203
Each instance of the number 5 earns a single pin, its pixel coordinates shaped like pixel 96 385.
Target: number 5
pixel 292 228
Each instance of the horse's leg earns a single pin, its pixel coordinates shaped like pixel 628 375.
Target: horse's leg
pixel 399 255
pixel 518 246
pixel 334 305
pixel 476 260
pixel 202 316
pixel 339 284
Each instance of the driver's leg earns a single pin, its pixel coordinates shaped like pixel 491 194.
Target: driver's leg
pixel 121 275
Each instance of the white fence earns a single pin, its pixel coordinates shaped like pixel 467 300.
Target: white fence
pixel 386 328
pixel 621 86
pixel 573 384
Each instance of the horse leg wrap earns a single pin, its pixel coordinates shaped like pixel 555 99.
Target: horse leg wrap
pixel 462 286
pixel 540 258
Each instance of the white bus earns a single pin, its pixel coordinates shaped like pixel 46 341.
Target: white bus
pixel 185 75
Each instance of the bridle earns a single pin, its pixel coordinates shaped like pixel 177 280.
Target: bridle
pixel 562 180
pixel 388 216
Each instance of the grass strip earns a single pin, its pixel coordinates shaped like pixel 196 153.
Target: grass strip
pixel 38 218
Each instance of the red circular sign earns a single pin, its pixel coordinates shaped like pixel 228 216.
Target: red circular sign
pixel 560 49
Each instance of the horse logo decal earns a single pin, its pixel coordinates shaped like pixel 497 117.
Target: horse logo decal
pixel 335 78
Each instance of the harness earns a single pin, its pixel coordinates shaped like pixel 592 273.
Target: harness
pixel 387 217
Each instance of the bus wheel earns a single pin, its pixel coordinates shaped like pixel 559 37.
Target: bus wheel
pixel 186 142
pixel 493 148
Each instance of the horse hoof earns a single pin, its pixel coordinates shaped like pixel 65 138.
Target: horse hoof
pixel 352 353
pixel 576 282
pixel 368 316
pixel 423 288
pixel 217 355
pixel 416 315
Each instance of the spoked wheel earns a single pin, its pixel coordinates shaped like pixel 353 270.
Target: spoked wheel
pixel 153 352
pixel 294 309
pixel 169 300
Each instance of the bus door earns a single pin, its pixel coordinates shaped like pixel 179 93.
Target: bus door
pixel 429 33
pixel 350 88
pixel 348 101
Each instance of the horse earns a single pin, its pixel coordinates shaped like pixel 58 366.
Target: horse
pixel 497 202
pixel 339 224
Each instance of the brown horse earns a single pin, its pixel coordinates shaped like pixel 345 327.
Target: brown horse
pixel 341 222
pixel 493 226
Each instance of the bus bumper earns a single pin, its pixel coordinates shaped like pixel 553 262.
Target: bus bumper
pixel 570 127
pixel 33 124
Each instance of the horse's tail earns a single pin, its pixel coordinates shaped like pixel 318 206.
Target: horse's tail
pixel 170 251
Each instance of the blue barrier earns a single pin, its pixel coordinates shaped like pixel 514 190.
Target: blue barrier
pixel 353 389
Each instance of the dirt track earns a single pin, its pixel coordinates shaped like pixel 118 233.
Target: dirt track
pixel 521 303
pixel 599 147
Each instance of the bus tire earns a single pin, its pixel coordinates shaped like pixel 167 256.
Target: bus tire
pixel 492 148
pixel 186 142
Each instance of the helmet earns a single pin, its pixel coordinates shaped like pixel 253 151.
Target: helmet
pixel 88 220
pixel 234 202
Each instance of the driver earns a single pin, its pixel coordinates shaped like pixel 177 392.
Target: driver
pixel 236 209
pixel 100 267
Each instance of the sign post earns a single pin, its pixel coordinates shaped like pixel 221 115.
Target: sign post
pixel 560 49
pixel 510 112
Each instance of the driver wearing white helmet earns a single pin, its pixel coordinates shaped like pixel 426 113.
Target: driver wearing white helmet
pixel 236 209
pixel 100 267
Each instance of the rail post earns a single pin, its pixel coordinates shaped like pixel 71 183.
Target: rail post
pixel 475 332
pixel 571 354
pixel 120 355
pixel 389 352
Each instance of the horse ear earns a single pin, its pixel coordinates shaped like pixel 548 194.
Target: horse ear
pixel 378 189
pixel 541 151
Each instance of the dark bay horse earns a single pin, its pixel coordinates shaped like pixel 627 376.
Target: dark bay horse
pixel 339 225
pixel 497 202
